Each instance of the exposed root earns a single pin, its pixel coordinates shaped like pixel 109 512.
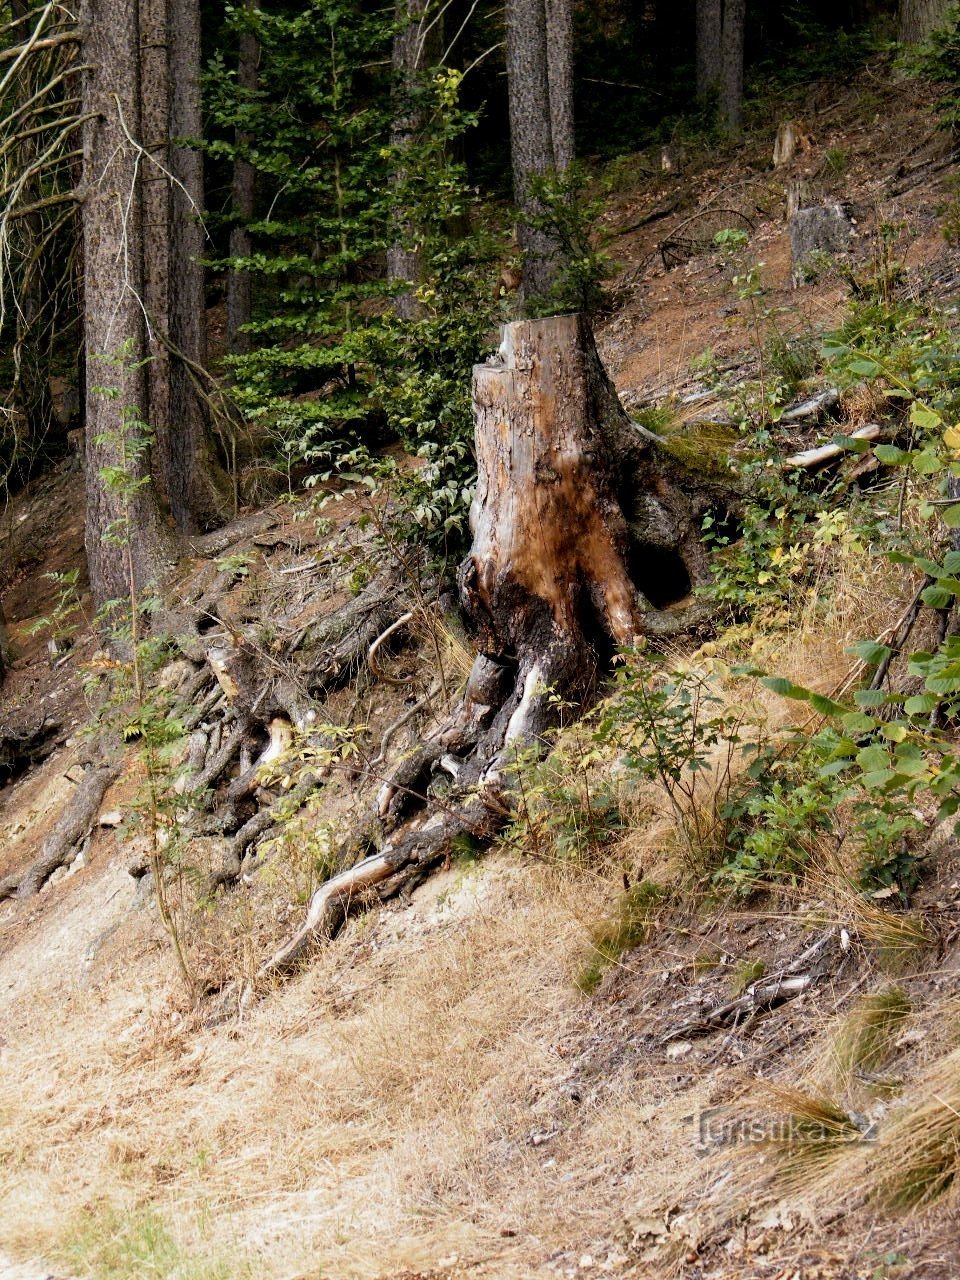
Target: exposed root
pixel 75 824
pixel 381 639
pixel 383 875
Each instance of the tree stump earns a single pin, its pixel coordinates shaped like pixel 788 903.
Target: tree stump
pixel 821 231
pixel 585 530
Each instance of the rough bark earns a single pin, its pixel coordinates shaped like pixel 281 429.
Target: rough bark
pixel 34 420
pixel 731 85
pixel 919 18
pixel 559 28
pixel 709 27
pixel 417 46
pixel 154 191
pixel 578 525
pixel 531 131
pixel 4 646
pixel 124 536
pixel 243 196
pixel 196 484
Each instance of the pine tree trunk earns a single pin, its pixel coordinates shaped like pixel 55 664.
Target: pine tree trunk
pixel 919 18
pixel 709 28
pixel 30 391
pixel 196 482
pixel 124 536
pixel 417 46
pixel 559 27
pixel 243 196
pixel 585 536
pixel 531 127
pixel 731 87
pixel 154 189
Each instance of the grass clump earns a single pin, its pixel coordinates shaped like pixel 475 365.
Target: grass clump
pixel 746 973
pixel 918 1156
pixel 866 1038
pixel 109 1244
pixel 627 927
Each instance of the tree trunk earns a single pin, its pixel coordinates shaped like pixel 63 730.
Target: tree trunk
pixel 196 482
pixel 533 109
pixel 4 659
pixel 243 194
pixel 417 46
pixel 154 191
pixel 585 534
pixel 731 87
pixel 709 28
pixel 559 27
pixel 34 419
pixel 919 18
pixel 124 537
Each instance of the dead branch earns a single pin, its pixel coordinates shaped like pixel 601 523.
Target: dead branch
pixel 810 458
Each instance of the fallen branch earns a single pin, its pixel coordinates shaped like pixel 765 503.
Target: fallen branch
pixel 760 996
pixel 826 453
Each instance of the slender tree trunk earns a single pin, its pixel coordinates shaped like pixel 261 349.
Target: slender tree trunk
pixel 124 536
pixel 154 189
pixel 196 483
pixel 731 88
pixel 919 18
pixel 709 29
pixel 532 113
pixel 417 46
pixel 3 646
pixel 559 27
pixel 243 192
pixel 30 392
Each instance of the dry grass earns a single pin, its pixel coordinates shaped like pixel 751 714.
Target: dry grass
pixel 375 1114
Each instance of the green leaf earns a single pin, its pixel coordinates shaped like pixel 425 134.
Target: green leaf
pixel 951 516
pixel 927 463
pixel 872 698
pixel 890 454
pixel 786 688
pixel 873 758
pixel 894 732
pixel 870 652
pixel 936 597
pixel 826 706
pixel 920 704
pixel 877 778
pixel 855 722
pixel 923 416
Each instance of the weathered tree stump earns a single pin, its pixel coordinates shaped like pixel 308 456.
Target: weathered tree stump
pixel 820 231
pixel 583 527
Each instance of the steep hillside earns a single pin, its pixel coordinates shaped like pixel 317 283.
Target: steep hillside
pixel 591 1049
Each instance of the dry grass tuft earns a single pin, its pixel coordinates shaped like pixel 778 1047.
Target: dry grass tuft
pixel 864 1041
pixel 917 1158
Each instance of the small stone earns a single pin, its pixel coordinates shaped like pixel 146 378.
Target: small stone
pixel 111 818
pixel 679 1049
pixel 75 773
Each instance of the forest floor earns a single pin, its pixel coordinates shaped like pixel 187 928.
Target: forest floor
pixel 432 1097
